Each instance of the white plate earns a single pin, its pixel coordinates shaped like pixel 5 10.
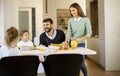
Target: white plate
pixel 53 47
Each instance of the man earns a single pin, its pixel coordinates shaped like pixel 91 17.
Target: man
pixel 51 35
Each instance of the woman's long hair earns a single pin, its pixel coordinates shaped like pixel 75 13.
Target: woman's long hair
pixel 79 9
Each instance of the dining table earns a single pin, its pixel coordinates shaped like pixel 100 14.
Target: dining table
pixel 43 53
pixel 79 50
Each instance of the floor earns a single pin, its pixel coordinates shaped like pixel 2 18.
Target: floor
pixel 96 70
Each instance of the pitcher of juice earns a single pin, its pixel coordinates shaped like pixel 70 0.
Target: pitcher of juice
pixel 73 43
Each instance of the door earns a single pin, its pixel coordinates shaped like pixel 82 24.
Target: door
pixel 25 20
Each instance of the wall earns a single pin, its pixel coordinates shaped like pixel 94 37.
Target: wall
pixel 98 44
pixel 38 5
pixel 44 9
pixel 1 22
pixel 53 5
pixel 10 11
pixel 107 45
pixel 9 15
pixel 112 34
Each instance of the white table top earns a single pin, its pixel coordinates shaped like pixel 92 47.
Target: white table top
pixel 82 51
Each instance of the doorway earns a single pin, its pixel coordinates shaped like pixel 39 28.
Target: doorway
pixel 27 21
pixel 94 17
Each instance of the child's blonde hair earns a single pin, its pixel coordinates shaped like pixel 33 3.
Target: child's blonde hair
pixel 10 35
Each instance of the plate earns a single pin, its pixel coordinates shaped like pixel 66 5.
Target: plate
pixel 53 47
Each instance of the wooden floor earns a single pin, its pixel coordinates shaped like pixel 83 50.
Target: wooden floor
pixel 96 70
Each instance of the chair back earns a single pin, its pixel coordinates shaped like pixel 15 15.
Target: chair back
pixel 63 65
pixel 19 66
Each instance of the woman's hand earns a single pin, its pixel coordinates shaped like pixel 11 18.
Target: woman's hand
pixel 82 38
pixel 65 43
pixel 79 39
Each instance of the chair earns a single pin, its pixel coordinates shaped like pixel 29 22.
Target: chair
pixel 19 66
pixel 63 65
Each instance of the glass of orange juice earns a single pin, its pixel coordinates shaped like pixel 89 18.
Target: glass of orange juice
pixel 42 49
pixel 73 43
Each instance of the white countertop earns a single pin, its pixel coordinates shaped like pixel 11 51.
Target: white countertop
pixel 82 51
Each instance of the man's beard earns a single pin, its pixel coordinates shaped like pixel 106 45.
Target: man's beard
pixel 49 29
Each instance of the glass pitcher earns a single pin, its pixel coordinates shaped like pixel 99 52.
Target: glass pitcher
pixel 73 43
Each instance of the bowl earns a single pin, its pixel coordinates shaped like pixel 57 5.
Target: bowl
pixel 25 48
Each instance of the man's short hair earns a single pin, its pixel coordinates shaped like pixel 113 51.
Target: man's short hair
pixel 48 20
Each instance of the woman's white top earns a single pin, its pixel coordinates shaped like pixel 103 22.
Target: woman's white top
pixel 8 51
pixel 27 43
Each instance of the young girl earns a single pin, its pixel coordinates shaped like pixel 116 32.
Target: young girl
pixel 24 34
pixel 79 27
pixel 11 39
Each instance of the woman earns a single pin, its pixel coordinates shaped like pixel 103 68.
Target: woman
pixel 79 27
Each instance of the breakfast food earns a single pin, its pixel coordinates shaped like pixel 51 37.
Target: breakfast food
pixel 60 46
pixel 33 47
pixel 65 47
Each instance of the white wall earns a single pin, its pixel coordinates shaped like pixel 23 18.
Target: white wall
pixel 9 16
pixel 10 13
pixel 112 34
pixel 53 5
pixel 38 5
pixel 1 22
pixel 52 11
pixel 107 45
pixel 98 44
